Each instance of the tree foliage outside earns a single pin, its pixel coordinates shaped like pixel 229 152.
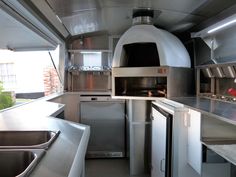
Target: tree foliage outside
pixel 6 100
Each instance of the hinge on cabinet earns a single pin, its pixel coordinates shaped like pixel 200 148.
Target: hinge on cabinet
pixel 187 120
pixel 151 117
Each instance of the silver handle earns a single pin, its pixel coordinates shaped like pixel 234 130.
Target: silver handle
pixel 161 165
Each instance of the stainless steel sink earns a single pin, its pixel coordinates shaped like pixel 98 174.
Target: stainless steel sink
pixel 18 163
pixel 27 139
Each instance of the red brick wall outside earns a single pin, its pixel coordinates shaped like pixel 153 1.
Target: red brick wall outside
pixel 51 81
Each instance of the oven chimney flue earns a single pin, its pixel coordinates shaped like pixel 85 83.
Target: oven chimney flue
pixel 143 16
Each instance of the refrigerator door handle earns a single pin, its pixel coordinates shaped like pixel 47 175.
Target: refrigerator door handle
pixel 162 165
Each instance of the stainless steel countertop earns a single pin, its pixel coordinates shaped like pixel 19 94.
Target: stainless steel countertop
pixel 222 110
pixel 65 157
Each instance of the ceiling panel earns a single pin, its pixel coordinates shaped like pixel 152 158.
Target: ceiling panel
pixel 176 21
pixel 117 24
pixel 181 6
pixel 114 16
pixel 83 22
pixel 71 7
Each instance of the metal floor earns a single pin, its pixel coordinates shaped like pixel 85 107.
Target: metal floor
pixel 108 168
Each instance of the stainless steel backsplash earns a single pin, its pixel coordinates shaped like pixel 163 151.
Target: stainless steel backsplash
pixel 91 81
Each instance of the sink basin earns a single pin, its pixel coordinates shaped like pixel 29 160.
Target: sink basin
pixel 18 163
pixel 27 139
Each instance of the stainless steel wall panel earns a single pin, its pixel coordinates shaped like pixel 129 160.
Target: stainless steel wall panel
pixel 140 148
pixel 91 81
pixel 94 42
pixel 141 111
pixel 180 82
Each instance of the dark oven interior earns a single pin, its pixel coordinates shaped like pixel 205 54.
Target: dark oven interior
pixel 141 86
pixel 141 54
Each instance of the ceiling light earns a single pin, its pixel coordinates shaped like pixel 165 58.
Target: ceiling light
pixel 58 18
pixel 222 26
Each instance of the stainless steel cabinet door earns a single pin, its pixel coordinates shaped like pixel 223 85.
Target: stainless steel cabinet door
pixel 194 142
pixel 158 144
pixel 107 122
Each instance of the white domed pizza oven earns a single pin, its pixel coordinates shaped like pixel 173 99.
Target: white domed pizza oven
pixel 150 62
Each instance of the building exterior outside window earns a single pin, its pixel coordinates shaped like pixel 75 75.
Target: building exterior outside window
pixel 8 76
pixel 29 75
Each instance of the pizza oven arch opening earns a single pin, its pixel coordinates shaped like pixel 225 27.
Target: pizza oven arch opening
pixel 142 54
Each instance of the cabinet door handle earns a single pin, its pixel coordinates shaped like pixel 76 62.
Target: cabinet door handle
pixel 162 165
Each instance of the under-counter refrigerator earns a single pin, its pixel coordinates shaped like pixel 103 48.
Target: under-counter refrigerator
pixel 161 142
pixel 106 118
pixel 169 157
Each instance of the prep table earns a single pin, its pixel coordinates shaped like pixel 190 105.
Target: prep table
pixel 218 113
